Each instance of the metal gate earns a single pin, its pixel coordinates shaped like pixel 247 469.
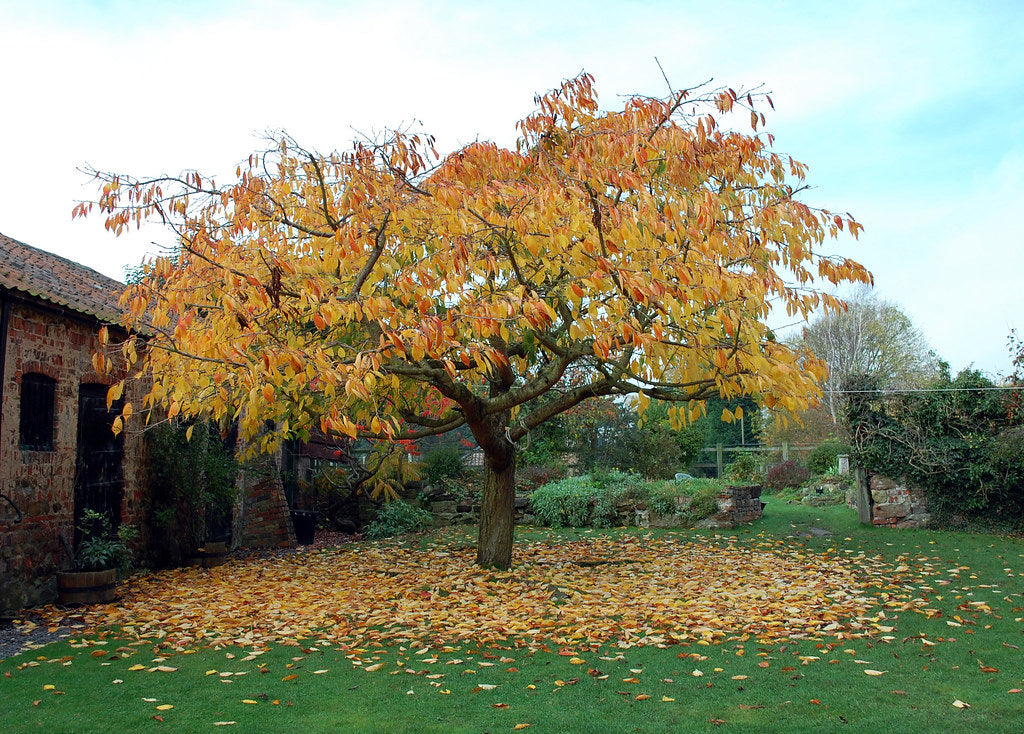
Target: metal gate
pixel 99 476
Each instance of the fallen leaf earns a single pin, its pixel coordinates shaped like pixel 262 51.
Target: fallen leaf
pixel 165 707
pixel 869 671
pixel 960 704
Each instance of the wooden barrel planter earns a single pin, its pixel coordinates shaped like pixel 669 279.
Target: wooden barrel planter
pixel 86 587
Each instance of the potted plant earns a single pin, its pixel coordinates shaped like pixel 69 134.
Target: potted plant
pixel 100 554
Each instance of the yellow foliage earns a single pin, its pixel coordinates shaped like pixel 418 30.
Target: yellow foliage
pixel 386 292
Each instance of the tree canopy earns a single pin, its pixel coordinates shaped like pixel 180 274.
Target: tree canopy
pixel 387 291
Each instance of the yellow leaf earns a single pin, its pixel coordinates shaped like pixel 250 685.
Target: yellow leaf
pixel 666 699
pixel 165 707
pixel 868 671
pixel 250 701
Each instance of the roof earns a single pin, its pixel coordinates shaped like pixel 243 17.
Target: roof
pixel 56 280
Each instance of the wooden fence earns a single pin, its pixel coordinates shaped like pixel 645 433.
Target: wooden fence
pixel 720 451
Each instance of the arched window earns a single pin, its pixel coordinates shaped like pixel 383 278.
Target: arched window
pixel 38 394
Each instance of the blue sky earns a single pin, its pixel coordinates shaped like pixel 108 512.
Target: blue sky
pixel 909 114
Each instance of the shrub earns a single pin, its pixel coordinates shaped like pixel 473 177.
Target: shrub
pixel 396 518
pixel 565 502
pixel 705 497
pixel 661 499
pixel 956 442
pixel 825 456
pixel 443 463
pixel 745 469
pixel 786 474
pixel 191 489
pixel 596 499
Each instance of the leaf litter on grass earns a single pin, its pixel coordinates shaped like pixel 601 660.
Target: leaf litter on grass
pixel 629 590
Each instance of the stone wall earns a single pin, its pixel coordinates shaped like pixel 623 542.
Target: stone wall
pixel 41 483
pixel 897 504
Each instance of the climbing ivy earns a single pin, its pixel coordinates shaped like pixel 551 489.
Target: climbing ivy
pixel 956 441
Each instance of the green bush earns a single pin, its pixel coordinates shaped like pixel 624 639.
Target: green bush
pixel 661 497
pixel 825 457
pixel 745 469
pixel 396 518
pixel 595 499
pixel 705 497
pixel 564 503
pixel 443 463
pixel 957 442
pixel 191 489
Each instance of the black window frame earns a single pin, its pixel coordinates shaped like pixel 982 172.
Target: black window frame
pixel 37 425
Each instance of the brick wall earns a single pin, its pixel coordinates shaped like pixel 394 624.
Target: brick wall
pixel 41 483
pixel 262 518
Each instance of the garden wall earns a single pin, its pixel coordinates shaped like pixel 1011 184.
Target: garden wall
pixel 897 503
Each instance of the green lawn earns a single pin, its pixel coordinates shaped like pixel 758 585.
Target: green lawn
pixel 956 633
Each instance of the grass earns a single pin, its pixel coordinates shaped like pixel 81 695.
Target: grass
pixel 962 644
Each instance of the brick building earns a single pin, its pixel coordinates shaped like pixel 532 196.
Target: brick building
pixel 57 453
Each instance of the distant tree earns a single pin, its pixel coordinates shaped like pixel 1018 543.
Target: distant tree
pixel 735 431
pixel 651 447
pixel 871 337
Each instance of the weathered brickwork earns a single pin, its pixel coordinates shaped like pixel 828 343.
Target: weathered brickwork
pixel 263 520
pixel 897 504
pixel 41 483
pixel 738 505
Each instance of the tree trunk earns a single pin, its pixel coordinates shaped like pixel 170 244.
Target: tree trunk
pixel 497 512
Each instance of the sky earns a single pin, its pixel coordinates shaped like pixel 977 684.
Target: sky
pixel 909 114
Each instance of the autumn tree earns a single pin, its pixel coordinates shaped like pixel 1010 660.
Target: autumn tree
pixel 642 247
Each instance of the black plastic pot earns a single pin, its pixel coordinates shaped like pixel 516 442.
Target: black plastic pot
pixel 304 522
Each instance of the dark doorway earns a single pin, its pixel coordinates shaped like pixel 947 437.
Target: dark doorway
pixel 99 478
